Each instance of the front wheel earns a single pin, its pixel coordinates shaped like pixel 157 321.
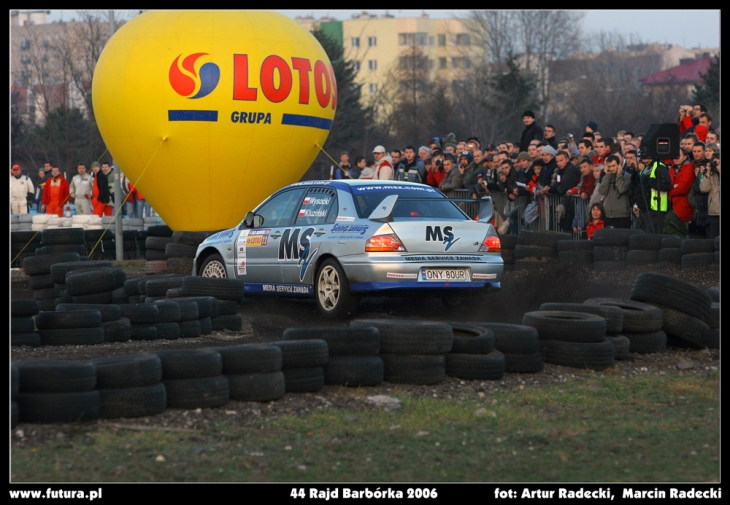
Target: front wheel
pixel 213 266
pixel 332 291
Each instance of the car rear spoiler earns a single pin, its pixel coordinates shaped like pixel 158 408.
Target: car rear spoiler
pixel 486 209
pixel 384 211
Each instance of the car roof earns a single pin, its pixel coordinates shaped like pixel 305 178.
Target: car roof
pixel 359 182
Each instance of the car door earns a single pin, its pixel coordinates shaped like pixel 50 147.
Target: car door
pixel 258 249
pixel 304 241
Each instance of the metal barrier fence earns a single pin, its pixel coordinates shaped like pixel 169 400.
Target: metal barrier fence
pixel 512 210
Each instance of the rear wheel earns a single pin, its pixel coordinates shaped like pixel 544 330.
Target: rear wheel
pixel 332 291
pixel 213 266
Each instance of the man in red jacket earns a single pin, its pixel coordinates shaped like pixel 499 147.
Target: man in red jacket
pixel 683 179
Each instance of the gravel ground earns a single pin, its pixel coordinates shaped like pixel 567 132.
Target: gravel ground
pixel 265 320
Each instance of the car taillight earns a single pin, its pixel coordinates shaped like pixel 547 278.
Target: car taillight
pixel 384 243
pixel 491 244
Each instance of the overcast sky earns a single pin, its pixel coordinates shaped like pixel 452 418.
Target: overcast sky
pixel 687 28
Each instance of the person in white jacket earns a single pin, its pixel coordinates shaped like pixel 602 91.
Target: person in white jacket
pixel 383 164
pixel 20 188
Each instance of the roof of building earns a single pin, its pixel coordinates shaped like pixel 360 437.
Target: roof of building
pixel 684 73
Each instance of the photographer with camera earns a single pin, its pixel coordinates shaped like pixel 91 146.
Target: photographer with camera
pixel 710 184
pixel 435 172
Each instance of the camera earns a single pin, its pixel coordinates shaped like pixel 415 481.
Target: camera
pixel 570 135
pixel 437 162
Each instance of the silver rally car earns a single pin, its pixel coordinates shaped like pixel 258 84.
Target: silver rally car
pixel 339 240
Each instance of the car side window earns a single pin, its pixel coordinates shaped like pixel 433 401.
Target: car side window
pixel 280 210
pixel 318 207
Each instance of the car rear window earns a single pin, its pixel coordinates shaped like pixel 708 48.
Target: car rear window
pixel 410 204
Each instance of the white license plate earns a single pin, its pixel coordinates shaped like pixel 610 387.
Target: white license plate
pixel 444 275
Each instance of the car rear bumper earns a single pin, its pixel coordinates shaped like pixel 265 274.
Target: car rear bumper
pixel 394 272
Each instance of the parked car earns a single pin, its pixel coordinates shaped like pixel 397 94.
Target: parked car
pixel 337 241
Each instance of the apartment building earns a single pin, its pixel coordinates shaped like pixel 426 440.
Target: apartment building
pixel 386 48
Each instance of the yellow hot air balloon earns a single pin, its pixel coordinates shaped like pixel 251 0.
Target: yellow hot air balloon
pixel 211 111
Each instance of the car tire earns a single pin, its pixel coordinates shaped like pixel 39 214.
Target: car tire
pixel 213 266
pixel 332 291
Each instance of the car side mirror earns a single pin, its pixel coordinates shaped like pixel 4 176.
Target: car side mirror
pixel 253 220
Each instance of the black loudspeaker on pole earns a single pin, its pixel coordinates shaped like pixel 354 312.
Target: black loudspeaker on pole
pixel 661 141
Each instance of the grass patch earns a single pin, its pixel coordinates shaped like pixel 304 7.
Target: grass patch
pixel 654 428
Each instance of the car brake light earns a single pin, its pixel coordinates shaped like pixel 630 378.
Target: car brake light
pixel 384 243
pixel 491 244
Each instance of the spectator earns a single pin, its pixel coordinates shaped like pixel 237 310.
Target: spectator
pixel 712 151
pixel 109 172
pixel 685 119
pixel 453 178
pixel 615 189
pixel 339 171
pixel 598 176
pixel 22 193
pixel 411 168
pixel 533 181
pixel 369 171
pixel 591 127
pixel 383 164
pixel 687 141
pixel 357 168
pixel 466 160
pixel 710 185
pixel 565 177
pixel 100 192
pixel 587 184
pixel 473 140
pixel 700 221
pixel 603 150
pixel 640 195
pixel 424 152
pixel 656 182
pixel 395 156
pixel 81 190
pixel 129 196
pixel 684 177
pixel 144 209
pixel 550 137
pixel 43 175
pixel 436 173
pixel 713 138
pixel 490 149
pixel 434 143
pixel 531 131
pixel 523 172
pixel 596 221
pixel 532 151
pixel 55 194
pixel 548 159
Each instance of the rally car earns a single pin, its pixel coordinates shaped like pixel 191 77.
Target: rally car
pixel 338 240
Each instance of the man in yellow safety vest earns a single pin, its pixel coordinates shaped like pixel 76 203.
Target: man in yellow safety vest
pixel 656 181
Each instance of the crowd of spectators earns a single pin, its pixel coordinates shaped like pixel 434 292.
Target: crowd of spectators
pixel 88 192
pixel 598 180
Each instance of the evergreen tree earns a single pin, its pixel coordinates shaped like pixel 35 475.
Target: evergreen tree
pixel 349 127
pixel 708 92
